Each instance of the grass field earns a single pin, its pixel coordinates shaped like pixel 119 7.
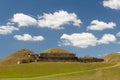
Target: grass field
pixel 60 71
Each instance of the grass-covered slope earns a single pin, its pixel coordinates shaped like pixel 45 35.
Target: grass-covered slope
pixel 46 68
pixel 60 71
pixel 112 57
pixel 21 54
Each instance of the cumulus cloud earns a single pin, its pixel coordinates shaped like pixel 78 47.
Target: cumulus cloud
pixel 23 20
pixel 58 19
pixel 7 29
pixel 84 40
pixel 100 25
pixel 113 4
pixel 54 20
pixel 28 37
pixel 107 38
pixel 118 34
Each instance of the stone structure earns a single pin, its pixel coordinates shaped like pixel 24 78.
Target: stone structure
pixel 57 54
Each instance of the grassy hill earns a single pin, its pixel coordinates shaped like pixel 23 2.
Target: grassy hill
pixel 17 56
pixel 112 57
pixel 56 50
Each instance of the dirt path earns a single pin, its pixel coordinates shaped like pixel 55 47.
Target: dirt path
pixel 62 74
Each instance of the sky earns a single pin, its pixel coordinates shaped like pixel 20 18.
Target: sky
pixel 85 27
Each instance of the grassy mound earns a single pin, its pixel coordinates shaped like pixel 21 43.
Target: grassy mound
pixel 113 57
pixel 56 50
pixel 19 55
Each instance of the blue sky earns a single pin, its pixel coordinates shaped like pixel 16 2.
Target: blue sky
pixel 85 27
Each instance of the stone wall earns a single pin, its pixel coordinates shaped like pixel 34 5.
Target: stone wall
pixel 57 55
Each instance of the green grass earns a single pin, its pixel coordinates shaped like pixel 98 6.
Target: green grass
pixel 60 71
pixel 46 68
pixel 112 73
pixel 105 73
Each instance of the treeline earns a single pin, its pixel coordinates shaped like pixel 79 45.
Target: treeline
pixel 90 59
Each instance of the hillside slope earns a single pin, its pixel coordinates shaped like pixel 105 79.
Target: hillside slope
pixel 56 50
pixel 19 55
pixel 112 57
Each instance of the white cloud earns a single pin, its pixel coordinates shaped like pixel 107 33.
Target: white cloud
pixel 107 38
pixel 113 4
pixel 23 20
pixel 118 34
pixel 58 19
pixel 7 29
pixel 54 20
pixel 28 37
pixel 100 25
pixel 82 40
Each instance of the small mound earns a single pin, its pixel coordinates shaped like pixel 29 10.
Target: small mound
pixel 113 57
pixel 56 50
pixel 19 55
